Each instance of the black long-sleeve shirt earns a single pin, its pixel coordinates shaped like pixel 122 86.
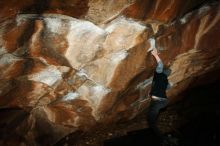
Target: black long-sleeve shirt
pixel 160 82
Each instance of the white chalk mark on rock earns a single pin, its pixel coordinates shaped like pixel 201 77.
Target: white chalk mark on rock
pixel 185 18
pixel 119 56
pixel 70 96
pixel 204 9
pixel 8 59
pixel 2 50
pixel 48 76
pixel 82 73
pixel 145 83
pixel 54 24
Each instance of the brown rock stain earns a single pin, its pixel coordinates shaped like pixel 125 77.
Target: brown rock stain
pixel 12 71
pixel 18 96
pixel 12 34
pixel 62 114
pixel 74 8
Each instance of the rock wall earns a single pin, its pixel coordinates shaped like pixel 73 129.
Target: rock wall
pixel 61 74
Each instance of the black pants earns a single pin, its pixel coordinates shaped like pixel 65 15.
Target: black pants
pixel 155 106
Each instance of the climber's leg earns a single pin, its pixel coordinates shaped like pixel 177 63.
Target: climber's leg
pixel 155 106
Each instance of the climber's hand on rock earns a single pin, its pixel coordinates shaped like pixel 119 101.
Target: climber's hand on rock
pixel 154 52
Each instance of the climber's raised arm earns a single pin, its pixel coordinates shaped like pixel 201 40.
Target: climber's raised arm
pixel 159 68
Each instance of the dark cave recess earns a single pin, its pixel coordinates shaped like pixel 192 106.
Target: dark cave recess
pixel 202 111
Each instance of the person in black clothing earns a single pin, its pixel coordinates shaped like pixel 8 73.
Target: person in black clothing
pixel 158 92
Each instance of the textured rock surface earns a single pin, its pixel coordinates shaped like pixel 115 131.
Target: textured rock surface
pixel 61 74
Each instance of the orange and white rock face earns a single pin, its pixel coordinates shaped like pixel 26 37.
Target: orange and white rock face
pixel 69 73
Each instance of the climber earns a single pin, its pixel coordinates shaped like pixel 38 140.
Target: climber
pixel 158 92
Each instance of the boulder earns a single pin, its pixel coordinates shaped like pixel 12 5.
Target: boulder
pixel 65 70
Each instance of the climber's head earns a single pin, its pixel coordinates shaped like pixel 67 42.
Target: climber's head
pixel 167 71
